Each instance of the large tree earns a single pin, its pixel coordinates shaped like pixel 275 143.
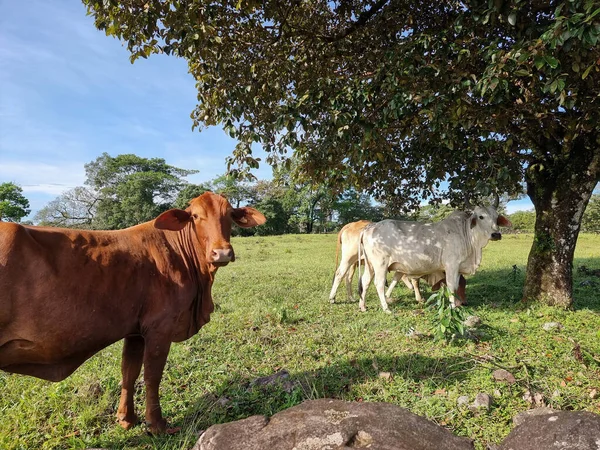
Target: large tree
pixel 75 208
pixel 352 206
pixel 396 96
pixel 591 217
pixel 132 189
pixel 13 204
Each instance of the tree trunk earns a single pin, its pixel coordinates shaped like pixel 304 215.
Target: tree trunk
pixel 560 190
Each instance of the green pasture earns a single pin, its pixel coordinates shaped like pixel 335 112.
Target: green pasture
pixel 272 313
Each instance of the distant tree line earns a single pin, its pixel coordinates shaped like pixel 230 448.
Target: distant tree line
pixel 126 190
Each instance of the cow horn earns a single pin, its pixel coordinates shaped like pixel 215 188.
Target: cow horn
pixel 496 200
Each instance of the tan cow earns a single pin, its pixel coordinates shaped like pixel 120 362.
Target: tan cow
pixel 66 294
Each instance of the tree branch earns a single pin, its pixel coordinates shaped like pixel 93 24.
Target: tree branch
pixel 363 18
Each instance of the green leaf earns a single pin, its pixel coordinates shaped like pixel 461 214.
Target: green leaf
pixel 539 62
pixel 587 72
pixel 575 66
pixel 551 61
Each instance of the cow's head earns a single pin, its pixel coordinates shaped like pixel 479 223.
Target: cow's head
pixel 211 216
pixel 486 221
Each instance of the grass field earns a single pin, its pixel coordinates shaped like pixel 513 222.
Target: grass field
pixel 273 313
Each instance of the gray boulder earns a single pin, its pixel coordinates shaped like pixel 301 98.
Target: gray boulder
pixel 563 430
pixel 333 425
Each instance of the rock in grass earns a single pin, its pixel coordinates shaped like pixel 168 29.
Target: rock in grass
pixel 333 424
pixel 281 378
pixel 462 400
pixel 482 402
pixel 385 375
pixel 472 322
pixel 522 417
pixel 564 430
pixel 504 375
pixel 552 326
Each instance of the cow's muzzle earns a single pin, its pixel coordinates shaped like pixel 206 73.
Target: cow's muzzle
pixel 222 256
pixel 496 236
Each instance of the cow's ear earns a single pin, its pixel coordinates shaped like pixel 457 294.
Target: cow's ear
pixel 503 222
pixel 247 217
pixel 173 220
pixel 473 221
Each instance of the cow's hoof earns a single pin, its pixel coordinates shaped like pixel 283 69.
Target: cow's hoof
pixel 128 422
pixel 389 300
pixel 363 309
pixel 332 300
pixel 157 427
pixel 387 311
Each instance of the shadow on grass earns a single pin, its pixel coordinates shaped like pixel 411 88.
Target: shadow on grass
pixel 504 288
pixel 237 398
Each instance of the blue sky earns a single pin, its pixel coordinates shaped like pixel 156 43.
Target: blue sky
pixel 68 93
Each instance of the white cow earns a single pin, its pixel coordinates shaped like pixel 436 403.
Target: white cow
pixel 447 249
pixel 348 240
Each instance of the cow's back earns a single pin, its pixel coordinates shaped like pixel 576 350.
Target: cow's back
pixel 65 294
pixel 409 247
pixel 350 234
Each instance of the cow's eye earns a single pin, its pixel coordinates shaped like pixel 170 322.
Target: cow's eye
pixel 480 217
pixel 195 216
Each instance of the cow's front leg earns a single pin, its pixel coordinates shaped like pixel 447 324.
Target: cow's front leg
pixel 131 364
pixel 388 294
pixel 453 280
pixel 155 357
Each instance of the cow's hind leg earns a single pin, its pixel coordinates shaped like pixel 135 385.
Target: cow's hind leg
pixel 380 272
pixel 365 281
pixel 155 356
pixel 340 274
pixel 349 276
pixel 131 364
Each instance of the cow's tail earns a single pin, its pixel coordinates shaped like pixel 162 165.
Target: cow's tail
pixel 360 256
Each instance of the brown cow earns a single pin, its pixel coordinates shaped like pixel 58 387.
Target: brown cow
pixel 66 294
pixel 348 240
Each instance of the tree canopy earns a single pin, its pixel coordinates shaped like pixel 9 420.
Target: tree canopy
pixel 13 204
pixel 368 92
pixel 397 96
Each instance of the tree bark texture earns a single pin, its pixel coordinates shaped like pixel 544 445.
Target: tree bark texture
pixel 560 189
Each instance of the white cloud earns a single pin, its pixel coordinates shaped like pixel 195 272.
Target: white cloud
pixel 42 177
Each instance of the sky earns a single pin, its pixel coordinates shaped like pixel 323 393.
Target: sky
pixel 68 93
